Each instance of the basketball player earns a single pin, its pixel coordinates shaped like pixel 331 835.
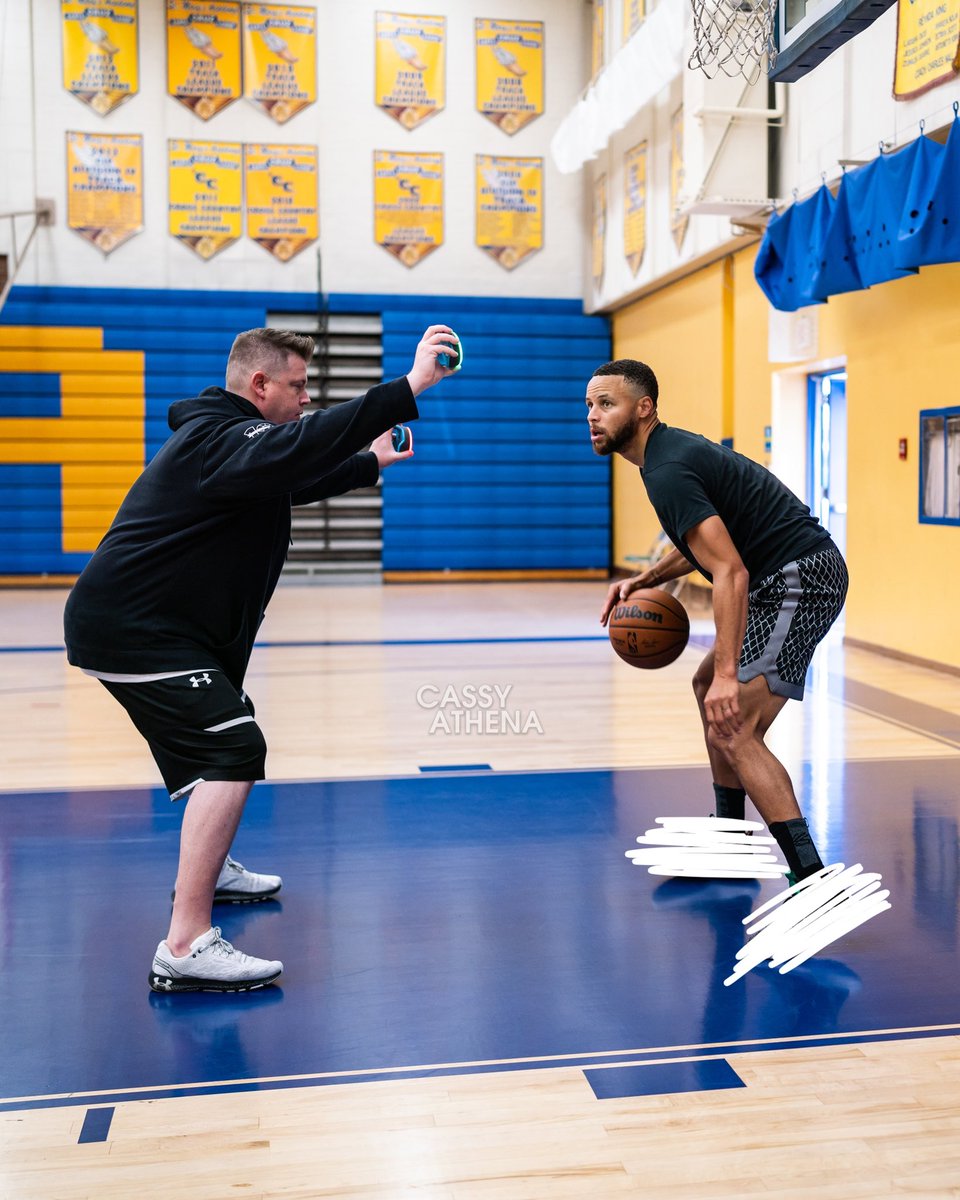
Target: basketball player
pixel 779 583
pixel 166 611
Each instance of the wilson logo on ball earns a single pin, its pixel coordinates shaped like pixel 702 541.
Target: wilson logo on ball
pixel 634 610
pixel 649 629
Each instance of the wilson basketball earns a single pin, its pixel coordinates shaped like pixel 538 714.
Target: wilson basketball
pixel 649 629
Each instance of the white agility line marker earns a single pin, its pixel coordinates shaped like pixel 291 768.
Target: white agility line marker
pixel 708 848
pixel 793 926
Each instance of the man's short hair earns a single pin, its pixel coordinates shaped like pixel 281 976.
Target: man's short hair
pixel 265 350
pixel 637 373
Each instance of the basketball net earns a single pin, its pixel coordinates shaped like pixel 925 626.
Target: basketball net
pixel 733 36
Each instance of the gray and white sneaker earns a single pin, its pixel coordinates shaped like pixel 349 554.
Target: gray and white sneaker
pixel 237 885
pixel 212 965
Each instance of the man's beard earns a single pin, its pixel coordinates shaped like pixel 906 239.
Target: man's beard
pixel 615 442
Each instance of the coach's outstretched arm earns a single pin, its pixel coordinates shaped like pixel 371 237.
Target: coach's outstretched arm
pixel 426 371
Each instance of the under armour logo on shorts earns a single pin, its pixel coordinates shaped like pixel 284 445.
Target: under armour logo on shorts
pixel 204 678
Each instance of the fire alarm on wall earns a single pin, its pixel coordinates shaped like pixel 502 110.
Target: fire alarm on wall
pixel 903 449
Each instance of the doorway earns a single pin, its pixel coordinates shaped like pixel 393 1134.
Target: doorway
pixel 827 457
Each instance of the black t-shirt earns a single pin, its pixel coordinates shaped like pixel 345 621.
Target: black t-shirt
pixel 689 478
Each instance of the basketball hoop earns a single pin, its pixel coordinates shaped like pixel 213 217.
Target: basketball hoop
pixel 733 36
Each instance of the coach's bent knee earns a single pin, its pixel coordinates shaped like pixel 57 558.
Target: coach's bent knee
pixel 254 740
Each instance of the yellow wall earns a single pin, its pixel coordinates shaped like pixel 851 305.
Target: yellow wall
pixel 679 333
pixel 901 342
pixel 751 392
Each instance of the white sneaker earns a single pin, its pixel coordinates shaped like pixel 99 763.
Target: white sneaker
pixel 212 965
pixel 237 885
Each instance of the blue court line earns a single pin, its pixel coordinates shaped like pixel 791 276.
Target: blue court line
pixel 32 649
pixel 96 1125
pixel 457 767
pixel 583 1061
pixel 480 641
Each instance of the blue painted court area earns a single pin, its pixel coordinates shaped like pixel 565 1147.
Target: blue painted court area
pixel 660 1079
pixel 431 922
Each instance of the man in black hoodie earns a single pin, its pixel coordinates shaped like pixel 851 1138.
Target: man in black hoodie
pixel 166 611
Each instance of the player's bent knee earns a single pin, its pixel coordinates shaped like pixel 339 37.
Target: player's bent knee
pixel 701 682
pixel 735 747
pixel 717 741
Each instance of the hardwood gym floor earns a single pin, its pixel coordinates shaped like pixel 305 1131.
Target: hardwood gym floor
pixel 482 997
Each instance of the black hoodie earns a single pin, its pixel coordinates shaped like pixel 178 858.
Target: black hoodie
pixel 182 577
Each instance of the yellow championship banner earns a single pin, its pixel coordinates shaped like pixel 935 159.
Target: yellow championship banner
pixel 281 183
pixel 599 229
pixel 203 54
pixel 205 186
pixel 635 205
pixel 678 223
pixel 410 66
pixel 509 208
pixel 100 65
pixel 509 72
pixel 408 204
pixel 633 13
pixel 928 45
pixel 105 187
pixel 599 33
pixel 280 58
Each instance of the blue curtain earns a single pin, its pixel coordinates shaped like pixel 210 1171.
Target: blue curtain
pixel 889 218
pixel 837 266
pixel 930 224
pixel 881 188
pixel 768 269
pixel 788 260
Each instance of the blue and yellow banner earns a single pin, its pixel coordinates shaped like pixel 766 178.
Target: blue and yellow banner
pixel 408 204
pixel 599 33
pixel 280 58
pixel 928 45
pixel 205 182
pixel 598 230
pixel 678 223
pixel 100 63
pixel 281 185
pixel 509 62
pixel 203 54
pixel 410 66
pixel 633 13
pixel 105 187
pixel 635 205
pixel 509 208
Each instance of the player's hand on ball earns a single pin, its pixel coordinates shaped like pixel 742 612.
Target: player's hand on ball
pixel 426 371
pixel 383 448
pixel 619 591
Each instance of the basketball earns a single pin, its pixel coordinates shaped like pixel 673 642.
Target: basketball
pixel 649 629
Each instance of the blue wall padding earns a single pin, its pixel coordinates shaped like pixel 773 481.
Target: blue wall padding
pixel 503 475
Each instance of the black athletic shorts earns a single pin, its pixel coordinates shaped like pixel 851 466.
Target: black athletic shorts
pixel 198 728
pixel 788 614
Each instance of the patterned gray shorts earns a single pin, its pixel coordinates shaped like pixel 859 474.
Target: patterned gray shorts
pixel 788 614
